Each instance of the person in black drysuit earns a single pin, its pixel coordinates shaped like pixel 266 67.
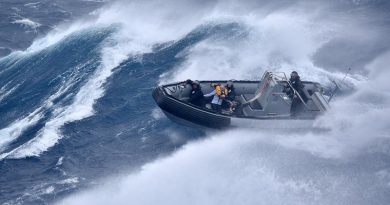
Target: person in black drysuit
pixel 196 95
pixel 229 101
pixel 296 106
pixel 231 96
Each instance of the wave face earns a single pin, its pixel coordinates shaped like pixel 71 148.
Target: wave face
pixel 78 124
pixel 22 21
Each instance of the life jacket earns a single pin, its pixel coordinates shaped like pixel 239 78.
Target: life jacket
pixel 221 92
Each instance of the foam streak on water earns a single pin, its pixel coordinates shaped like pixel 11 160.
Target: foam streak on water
pixel 7 90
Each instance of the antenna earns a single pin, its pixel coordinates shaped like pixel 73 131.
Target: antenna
pixel 337 88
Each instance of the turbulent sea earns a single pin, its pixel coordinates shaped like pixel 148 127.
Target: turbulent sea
pixel 78 124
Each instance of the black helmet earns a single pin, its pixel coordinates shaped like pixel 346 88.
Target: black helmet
pixel 189 81
pixel 294 74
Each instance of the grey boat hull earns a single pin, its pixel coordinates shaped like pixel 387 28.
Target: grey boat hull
pixel 191 115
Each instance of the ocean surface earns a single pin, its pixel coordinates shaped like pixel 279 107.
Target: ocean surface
pixel 78 124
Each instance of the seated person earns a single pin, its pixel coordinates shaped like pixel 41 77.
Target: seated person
pixel 196 95
pixel 219 93
pixel 188 82
pixel 229 101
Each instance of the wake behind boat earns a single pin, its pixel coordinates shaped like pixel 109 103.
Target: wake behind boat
pixel 259 104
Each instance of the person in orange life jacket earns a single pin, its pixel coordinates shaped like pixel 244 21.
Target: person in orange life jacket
pixel 219 93
pixel 196 95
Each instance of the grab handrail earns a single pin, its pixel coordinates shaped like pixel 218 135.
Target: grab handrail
pixel 288 82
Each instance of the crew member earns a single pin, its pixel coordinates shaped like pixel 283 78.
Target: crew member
pixel 196 95
pixel 297 105
pixel 229 101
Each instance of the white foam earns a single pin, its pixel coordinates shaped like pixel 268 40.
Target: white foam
pixel 49 190
pixel 55 36
pixel 283 41
pixel 363 117
pixel 81 107
pixel 157 114
pixel 27 23
pixel 224 169
pixel 71 180
pixel 33 5
pixel 113 53
pixel 6 90
pixel 60 161
pixel 16 128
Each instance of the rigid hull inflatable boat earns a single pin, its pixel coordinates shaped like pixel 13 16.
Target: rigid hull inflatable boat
pixel 263 104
